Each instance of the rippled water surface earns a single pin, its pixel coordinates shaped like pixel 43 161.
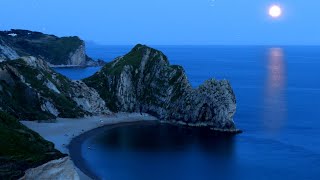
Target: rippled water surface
pixel 278 94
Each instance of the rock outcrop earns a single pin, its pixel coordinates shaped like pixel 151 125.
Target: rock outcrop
pixel 59 169
pixel 144 81
pixel 7 53
pixel 88 98
pixel 30 89
pixel 64 51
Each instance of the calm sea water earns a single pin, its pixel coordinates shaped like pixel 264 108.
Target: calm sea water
pixel 278 98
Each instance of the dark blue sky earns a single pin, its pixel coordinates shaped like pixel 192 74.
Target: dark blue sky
pixel 155 22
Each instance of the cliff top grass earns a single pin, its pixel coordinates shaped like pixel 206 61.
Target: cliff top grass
pixel 54 49
pixel 21 148
pixel 133 58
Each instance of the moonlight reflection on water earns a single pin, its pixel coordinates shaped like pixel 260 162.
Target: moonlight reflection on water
pixel 275 101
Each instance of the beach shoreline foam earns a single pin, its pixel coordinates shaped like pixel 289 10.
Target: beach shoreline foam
pixel 64 130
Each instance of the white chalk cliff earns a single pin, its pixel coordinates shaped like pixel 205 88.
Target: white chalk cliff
pixel 60 169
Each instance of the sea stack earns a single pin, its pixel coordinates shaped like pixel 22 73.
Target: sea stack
pixel 144 81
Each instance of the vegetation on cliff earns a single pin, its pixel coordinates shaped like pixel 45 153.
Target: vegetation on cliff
pixel 30 90
pixel 21 148
pixel 21 89
pixel 53 49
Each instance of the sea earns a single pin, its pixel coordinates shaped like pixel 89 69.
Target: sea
pixel 278 104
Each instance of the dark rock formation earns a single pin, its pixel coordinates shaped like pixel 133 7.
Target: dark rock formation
pixel 143 81
pixel 31 90
pixel 64 51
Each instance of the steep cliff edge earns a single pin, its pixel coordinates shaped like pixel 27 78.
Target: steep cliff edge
pixel 144 81
pixel 64 51
pixel 31 90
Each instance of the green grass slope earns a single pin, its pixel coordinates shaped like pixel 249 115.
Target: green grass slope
pixel 53 49
pixel 21 148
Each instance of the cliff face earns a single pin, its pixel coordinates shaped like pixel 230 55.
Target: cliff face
pixel 30 89
pixel 144 81
pixel 64 51
pixel 7 53
pixel 78 57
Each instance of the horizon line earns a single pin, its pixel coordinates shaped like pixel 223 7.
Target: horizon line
pixel 101 44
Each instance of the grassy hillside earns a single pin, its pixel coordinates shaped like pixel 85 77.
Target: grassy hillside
pixel 21 148
pixel 20 96
pixel 53 49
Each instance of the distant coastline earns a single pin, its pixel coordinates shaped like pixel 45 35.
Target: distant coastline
pixel 70 66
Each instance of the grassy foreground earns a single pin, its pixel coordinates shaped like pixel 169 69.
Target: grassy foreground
pixel 21 148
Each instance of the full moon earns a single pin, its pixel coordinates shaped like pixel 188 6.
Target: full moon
pixel 275 11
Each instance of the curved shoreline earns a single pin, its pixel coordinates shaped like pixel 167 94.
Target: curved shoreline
pixel 75 146
pixel 63 131
pixel 69 134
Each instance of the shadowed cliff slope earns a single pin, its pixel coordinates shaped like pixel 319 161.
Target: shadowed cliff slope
pixel 21 148
pixel 31 90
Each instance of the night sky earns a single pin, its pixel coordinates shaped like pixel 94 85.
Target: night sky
pixel 168 22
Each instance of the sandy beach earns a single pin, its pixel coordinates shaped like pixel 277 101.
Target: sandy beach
pixel 63 130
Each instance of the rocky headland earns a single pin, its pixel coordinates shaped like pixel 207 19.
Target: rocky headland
pixel 144 81
pixel 56 51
